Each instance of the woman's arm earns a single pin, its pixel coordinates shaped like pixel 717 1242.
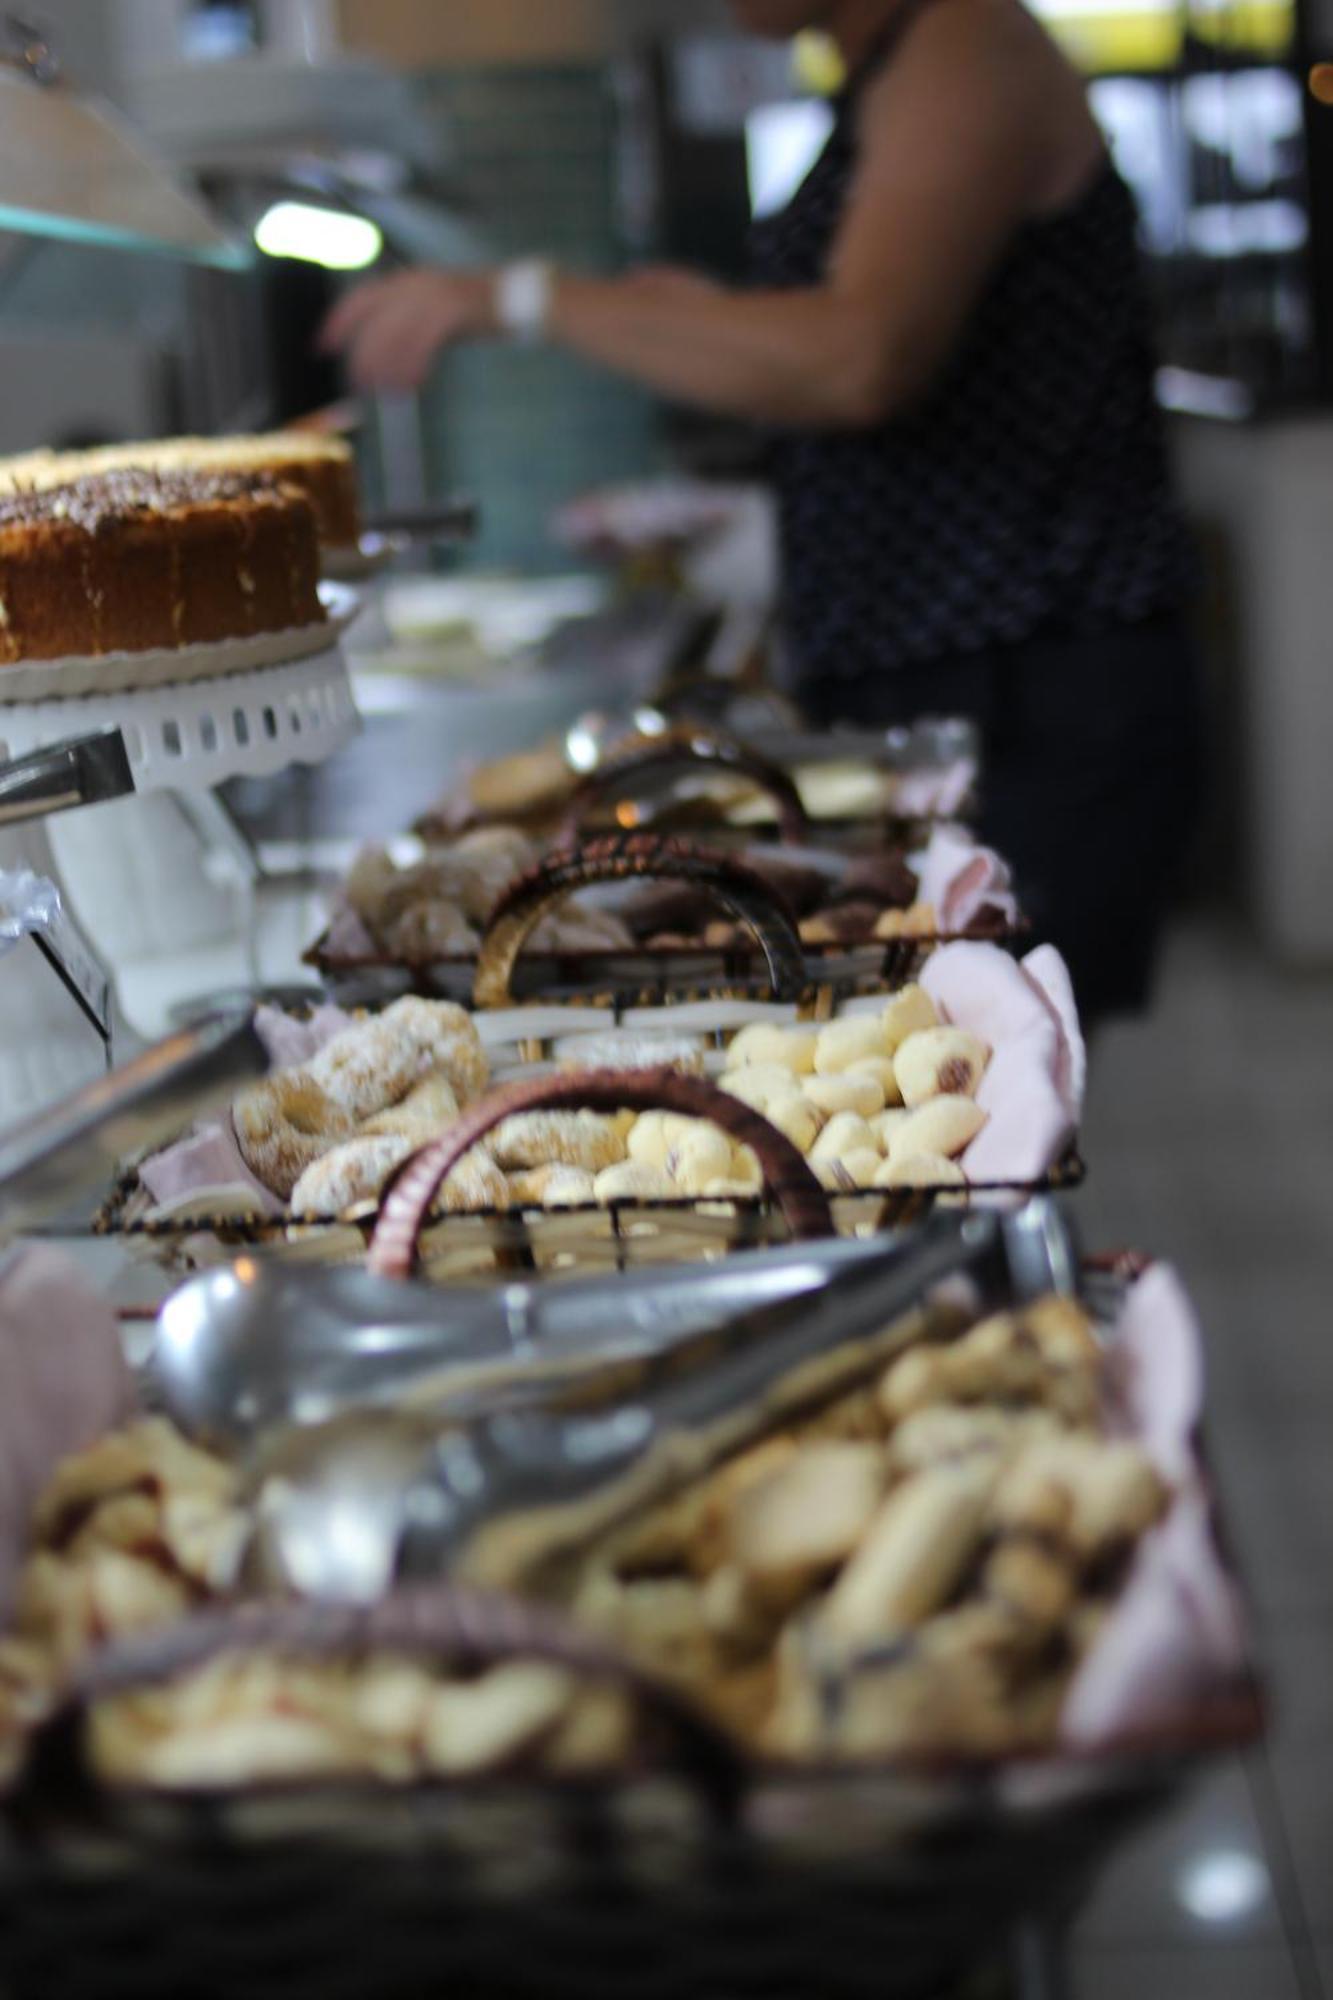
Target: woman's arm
pixel 951 155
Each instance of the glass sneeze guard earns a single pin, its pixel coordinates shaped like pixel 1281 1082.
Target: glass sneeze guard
pixel 69 168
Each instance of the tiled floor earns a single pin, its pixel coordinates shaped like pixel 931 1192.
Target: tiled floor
pixel 1210 1136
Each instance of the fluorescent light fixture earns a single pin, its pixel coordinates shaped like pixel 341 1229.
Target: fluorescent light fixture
pixel 327 236
pixel 1224 1886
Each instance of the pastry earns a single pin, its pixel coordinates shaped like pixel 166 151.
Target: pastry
pixel 847 1041
pixel 349 1175
pixel 846 1132
pixel 852 1090
pixel 428 1109
pixel 388 1083
pixel 286 1123
pixel 909 1011
pixel 356 1172
pixel 552 1186
pixel 793 1526
pixel 939 1062
pixel 376 1062
pixel 633 1180
pixel 430 930
pixel 791 1049
pixel 585 1139
pixel 836 1093
pixel 946 1125
pixel 843 923
pixel 849 1172
pixel 624 1048
pixel 438 907
pixel 913 1556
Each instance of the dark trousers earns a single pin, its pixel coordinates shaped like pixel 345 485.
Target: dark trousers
pixel 1090 781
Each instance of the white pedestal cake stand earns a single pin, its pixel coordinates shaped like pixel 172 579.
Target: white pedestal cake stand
pixel 132 874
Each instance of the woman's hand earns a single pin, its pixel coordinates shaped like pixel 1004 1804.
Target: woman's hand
pixel 390 330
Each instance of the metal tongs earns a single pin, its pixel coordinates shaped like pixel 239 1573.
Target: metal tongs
pixel 82 771
pixel 73 1150
pixel 241 1350
pixel 538 1460
pixel 447 524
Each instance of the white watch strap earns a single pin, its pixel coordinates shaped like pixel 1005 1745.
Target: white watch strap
pixel 523 298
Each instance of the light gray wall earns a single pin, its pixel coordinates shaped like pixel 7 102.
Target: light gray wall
pixel 142 35
pixel 85 35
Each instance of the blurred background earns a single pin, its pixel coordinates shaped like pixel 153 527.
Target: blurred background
pixel 341 135
pixel 609 131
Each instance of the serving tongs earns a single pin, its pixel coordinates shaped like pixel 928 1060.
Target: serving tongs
pixel 244 1348
pixel 448 524
pixel 537 1465
pixel 75 1148
pixel 81 771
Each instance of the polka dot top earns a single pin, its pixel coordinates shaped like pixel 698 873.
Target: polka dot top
pixel 1027 494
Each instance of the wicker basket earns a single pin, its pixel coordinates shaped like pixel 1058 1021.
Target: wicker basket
pixel 618 1236
pixel 741 1879
pixel 631 785
pixel 845 1886
pixel 769 958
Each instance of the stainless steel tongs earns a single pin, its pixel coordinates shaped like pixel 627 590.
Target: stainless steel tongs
pixel 541 1464
pixel 82 771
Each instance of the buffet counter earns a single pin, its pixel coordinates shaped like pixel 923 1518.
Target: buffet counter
pixel 558 1438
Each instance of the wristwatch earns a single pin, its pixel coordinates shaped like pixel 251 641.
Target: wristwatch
pixel 523 295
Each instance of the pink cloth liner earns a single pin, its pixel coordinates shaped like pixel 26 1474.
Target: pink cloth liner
pixel 942 788
pixel 1177 1631
pixel 208 1158
pixel 961 878
pixel 64 1382
pixel 1033 1088
pixel 290 1041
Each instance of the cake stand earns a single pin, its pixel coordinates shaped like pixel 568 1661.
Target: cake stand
pixel 172 920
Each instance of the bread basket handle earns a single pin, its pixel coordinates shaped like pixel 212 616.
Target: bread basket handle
pixel 800 1198
pixel 629 857
pixel 709 752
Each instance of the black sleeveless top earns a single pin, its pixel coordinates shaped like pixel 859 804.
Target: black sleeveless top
pixel 1028 493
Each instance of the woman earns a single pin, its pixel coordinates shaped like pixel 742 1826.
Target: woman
pixel 947 336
